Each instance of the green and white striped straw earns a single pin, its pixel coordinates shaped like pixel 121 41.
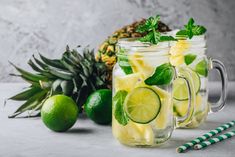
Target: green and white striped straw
pixel 214 140
pixel 204 137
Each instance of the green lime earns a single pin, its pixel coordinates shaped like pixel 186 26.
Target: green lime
pixel 142 105
pixel 180 89
pixel 59 113
pixel 98 106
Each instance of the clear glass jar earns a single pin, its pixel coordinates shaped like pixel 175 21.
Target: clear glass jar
pixel 197 64
pixel 142 114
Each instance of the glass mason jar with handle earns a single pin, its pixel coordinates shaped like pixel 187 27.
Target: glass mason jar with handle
pixel 197 65
pixel 142 94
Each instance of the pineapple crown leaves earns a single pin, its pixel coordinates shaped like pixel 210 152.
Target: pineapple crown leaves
pixel 74 74
pixel 152 34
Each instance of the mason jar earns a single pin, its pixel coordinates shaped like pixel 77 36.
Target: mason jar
pixel 142 111
pixel 197 64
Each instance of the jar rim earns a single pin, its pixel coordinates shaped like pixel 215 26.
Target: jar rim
pixel 145 48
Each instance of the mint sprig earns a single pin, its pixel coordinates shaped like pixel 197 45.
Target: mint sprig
pixel 152 34
pixel 191 30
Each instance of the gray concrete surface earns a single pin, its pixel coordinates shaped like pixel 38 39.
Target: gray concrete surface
pixel 46 26
pixel 29 137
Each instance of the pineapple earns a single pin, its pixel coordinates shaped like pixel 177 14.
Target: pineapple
pixel 73 75
pixel 107 50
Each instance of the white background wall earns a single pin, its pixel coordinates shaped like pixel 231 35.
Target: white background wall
pixel 46 26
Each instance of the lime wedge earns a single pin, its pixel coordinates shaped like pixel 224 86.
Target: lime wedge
pixel 142 105
pixel 180 90
pixel 180 107
pixel 202 68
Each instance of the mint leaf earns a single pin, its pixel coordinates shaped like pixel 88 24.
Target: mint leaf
pixel 198 30
pixel 189 28
pixel 118 101
pixel 163 75
pixel 125 66
pixel 202 68
pixel 152 37
pixel 123 62
pixel 189 58
pixel 190 22
pixel 182 33
pixel 147 38
pixel 167 38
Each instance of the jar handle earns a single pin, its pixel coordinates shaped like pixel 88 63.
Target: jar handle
pixel 190 110
pixel 219 66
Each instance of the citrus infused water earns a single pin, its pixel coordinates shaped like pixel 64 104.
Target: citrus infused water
pixel 142 101
pixel 195 65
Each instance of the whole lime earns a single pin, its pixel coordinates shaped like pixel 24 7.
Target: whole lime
pixel 98 106
pixel 59 113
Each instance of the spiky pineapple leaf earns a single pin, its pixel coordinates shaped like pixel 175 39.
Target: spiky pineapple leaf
pixel 40 63
pixel 30 104
pixel 25 95
pixel 67 87
pixel 60 74
pixel 37 69
pixel 52 62
pixel 34 66
pixel 56 88
pixel 33 83
pixel 28 75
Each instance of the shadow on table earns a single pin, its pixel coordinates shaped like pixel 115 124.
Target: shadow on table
pixel 173 143
pixel 80 131
pixel 209 125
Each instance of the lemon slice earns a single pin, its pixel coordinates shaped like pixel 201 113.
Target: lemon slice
pixel 126 82
pixel 177 52
pixel 142 105
pixel 164 116
pixel 139 65
pixel 133 132
pixel 180 90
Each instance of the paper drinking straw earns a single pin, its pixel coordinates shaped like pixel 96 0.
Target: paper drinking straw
pixel 214 140
pixel 206 136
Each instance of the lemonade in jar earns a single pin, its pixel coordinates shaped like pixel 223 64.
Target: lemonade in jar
pixel 142 94
pixel 193 60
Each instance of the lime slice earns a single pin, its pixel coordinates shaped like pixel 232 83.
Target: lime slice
pixel 142 105
pixel 180 90
pixel 164 115
pixel 181 107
